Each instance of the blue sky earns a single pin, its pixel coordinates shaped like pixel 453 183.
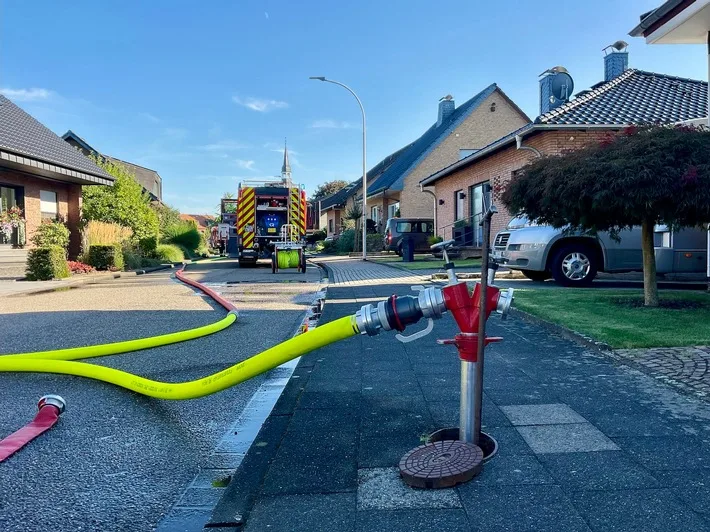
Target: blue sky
pixel 205 92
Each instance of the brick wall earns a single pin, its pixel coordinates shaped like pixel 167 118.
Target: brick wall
pixel 498 169
pixel 68 200
pixel 482 127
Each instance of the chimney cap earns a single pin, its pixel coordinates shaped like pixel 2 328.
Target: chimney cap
pixel 448 98
pixel 619 46
pixel 555 70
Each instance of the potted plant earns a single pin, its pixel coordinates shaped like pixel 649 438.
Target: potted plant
pixel 12 226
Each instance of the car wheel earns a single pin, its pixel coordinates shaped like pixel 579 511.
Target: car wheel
pixel 574 265
pixel 536 276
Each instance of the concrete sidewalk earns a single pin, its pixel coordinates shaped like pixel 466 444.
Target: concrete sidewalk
pixel 586 443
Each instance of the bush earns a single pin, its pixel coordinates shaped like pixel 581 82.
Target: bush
pixel 104 257
pixel 433 239
pixel 44 264
pixel 147 262
pixel 132 257
pixel 148 244
pixel 168 253
pixel 346 242
pixel 316 236
pixel 105 234
pixel 183 234
pixel 51 233
pixel 375 242
pixel 79 267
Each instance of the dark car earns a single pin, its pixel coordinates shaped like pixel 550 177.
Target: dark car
pixel 419 229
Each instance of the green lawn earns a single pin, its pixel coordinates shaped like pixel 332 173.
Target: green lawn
pixel 611 316
pixel 426 262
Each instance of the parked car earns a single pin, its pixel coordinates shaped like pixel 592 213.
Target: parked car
pixel 419 229
pixel 574 258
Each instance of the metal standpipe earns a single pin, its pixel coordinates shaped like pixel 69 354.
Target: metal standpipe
pixel 472 372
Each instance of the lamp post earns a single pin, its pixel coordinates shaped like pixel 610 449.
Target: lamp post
pixel 364 161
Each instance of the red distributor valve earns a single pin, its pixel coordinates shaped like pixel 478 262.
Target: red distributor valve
pixel 467 344
pixel 466 308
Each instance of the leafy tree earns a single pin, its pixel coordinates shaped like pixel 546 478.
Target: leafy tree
pixel 328 188
pixel 124 203
pixel 641 177
pixel 354 214
pixel 167 217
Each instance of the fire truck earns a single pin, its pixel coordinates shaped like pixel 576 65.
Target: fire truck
pixel 263 209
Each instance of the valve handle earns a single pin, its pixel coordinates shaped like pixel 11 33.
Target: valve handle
pixel 417 335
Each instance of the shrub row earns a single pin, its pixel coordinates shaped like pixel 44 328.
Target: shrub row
pixel 46 263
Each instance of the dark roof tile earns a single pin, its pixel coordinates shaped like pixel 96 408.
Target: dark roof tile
pixel 23 135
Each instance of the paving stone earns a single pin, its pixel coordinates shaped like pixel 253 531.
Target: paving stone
pixel 384 451
pixel 550 414
pixel 383 489
pixel 668 452
pixel 541 508
pixel 513 470
pixel 409 520
pixel 642 510
pixel 303 513
pixel 185 520
pixel 284 477
pixel 603 470
pixel 569 438
pixel 510 442
pixel 692 486
pixel 200 498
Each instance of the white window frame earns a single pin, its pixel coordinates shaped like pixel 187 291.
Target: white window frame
pixel 48 205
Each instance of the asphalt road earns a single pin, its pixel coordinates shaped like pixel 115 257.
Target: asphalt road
pixel 118 461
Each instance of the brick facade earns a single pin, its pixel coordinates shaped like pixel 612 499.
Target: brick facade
pixel 479 129
pixel 68 203
pixel 499 167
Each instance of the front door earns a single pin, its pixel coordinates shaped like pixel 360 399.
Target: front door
pixel 480 201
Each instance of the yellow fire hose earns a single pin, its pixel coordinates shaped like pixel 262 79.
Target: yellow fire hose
pixel 60 360
pixel 288 258
pixel 264 361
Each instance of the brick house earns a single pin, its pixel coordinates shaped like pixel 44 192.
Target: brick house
pixel 394 182
pixel 149 179
pixel 41 174
pixel 625 97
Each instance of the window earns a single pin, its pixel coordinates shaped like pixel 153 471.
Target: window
pixel 480 197
pixel 375 214
pixel 330 225
pixel 8 198
pixel 392 210
pixel 459 198
pixel 404 227
pixel 48 204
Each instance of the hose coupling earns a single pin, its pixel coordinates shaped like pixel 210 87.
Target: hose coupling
pixel 52 400
pixel 396 312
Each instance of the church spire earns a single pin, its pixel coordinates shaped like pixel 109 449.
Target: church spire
pixel 286 167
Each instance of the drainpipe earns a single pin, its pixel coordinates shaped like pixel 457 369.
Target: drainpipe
pixel 436 222
pixel 519 146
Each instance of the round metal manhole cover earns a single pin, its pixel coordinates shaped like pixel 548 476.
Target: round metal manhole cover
pixel 441 464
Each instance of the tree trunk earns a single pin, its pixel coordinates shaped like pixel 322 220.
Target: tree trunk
pixel 356 240
pixel 650 288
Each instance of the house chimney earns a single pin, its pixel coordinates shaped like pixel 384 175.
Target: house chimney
pixel 549 83
pixel 446 109
pixel 616 60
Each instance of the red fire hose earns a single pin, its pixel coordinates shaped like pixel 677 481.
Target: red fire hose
pixel 50 408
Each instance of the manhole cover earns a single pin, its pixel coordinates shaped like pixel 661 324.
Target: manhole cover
pixel 441 464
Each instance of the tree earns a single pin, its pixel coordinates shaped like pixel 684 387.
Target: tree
pixel 328 188
pixel 125 203
pixel 642 177
pixel 167 217
pixel 354 214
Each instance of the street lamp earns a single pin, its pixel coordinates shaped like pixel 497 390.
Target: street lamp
pixel 364 161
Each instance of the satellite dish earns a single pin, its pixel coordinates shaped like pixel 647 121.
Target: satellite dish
pixel 562 86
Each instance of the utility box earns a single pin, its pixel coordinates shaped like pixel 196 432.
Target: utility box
pixel 408 249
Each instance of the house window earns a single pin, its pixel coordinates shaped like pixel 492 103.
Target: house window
pixel 480 201
pixel 330 225
pixel 48 204
pixel 392 210
pixel 375 214
pixel 459 198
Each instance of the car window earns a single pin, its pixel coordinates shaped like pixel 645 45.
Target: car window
pixel 404 227
pixel 426 227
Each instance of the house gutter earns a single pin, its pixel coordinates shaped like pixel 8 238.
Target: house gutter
pixel 436 207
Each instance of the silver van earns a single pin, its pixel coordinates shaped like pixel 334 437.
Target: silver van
pixel 541 252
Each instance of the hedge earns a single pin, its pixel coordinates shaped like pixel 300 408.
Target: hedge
pixel 169 253
pixel 44 264
pixel 105 257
